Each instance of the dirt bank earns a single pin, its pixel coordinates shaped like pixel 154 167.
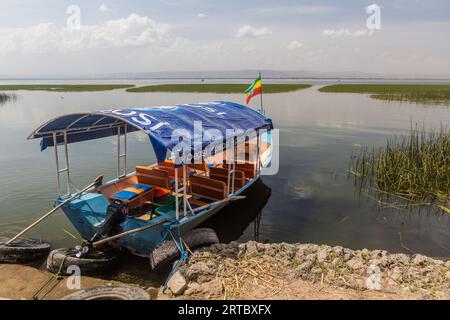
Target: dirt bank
pixel 264 271
pixel 306 271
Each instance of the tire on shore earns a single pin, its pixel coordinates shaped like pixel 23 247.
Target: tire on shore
pixel 96 263
pixel 109 293
pixel 23 250
pixel 168 251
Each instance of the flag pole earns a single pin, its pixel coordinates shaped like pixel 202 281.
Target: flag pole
pixel 261 107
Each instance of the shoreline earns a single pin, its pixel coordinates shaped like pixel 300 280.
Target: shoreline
pixel 254 270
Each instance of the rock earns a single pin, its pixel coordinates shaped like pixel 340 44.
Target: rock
pixel 249 249
pixel 447 275
pixel 356 263
pixel 311 257
pixel 395 274
pixel 398 259
pixel 316 270
pixel 192 289
pixel 381 262
pixel 418 259
pixel 336 262
pixel 365 252
pixel 322 255
pixel 303 268
pixel 212 288
pixel 447 264
pixel 201 271
pixel 177 284
pixel 338 251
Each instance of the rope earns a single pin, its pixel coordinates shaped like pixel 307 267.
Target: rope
pixel 183 257
pixel 56 276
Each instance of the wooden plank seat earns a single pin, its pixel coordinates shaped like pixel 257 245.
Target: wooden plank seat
pixel 169 167
pixel 221 174
pixel 140 194
pixel 200 168
pixel 248 168
pixel 154 177
pixel 206 190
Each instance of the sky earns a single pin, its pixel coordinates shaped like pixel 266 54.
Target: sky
pixel 98 37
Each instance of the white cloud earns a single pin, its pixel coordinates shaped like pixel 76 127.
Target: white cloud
pixel 249 31
pixel 132 31
pixel 201 15
pixel 346 33
pixel 103 8
pixel 295 45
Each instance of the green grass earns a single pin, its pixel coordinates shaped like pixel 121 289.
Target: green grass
pixel 415 168
pixel 65 87
pixel 426 94
pixel 218 88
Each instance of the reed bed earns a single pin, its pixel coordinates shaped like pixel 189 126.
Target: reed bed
pixel 411 170
pixel 416 93
pixel 219 88
pixel 4 98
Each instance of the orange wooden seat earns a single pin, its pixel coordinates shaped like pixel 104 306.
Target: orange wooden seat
pixel 221 174
pixel 205 187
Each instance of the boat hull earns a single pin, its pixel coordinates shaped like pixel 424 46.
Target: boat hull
pixel 88 212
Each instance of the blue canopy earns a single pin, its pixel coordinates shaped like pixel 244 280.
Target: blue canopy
pixel 230 119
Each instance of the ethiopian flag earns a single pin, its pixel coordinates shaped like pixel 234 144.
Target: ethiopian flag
pixel 254 89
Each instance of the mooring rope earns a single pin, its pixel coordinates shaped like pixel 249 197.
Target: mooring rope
pixel 56 276
pixel 183 257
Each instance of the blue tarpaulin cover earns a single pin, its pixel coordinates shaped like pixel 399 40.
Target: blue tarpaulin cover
pixel 158 123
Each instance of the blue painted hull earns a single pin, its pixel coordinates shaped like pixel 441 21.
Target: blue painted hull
pixel 88 212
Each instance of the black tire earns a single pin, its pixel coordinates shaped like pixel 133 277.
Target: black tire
pixel 95 263
pixel 23 250
pixel 109 293
pixel 168 251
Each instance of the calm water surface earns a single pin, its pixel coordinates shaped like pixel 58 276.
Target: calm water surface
pixel 310 200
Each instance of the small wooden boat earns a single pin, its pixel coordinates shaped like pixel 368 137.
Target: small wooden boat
pixel 191 181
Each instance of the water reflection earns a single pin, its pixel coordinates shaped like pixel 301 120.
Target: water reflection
pixel 231 223
pixel 312 201
pixel 6 97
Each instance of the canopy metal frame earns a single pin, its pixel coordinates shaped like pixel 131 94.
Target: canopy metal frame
pixel 65 170
pixel 121 156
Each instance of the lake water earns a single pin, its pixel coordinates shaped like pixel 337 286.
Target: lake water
pixel 310 200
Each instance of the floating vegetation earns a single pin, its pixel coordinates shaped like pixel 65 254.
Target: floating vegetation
pixel 410 171
pixel 424 94
pixel 65 87
pixel 218 88
pixel 4 98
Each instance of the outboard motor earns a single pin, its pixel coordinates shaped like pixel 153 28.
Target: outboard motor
pixel 115 215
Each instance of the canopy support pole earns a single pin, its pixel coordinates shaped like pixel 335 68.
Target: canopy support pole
pixel 177 209
pixel 184 191
pixel 66 169
pixel 257 154
pixel 121 172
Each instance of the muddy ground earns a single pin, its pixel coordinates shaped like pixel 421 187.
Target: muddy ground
pixel 261 271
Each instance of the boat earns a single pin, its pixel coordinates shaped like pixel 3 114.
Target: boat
pixel 207 155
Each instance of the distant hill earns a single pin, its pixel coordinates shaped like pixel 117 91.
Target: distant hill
pixel 237 74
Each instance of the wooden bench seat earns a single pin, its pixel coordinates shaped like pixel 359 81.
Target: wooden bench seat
pixel 204 187
pixel 221 174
